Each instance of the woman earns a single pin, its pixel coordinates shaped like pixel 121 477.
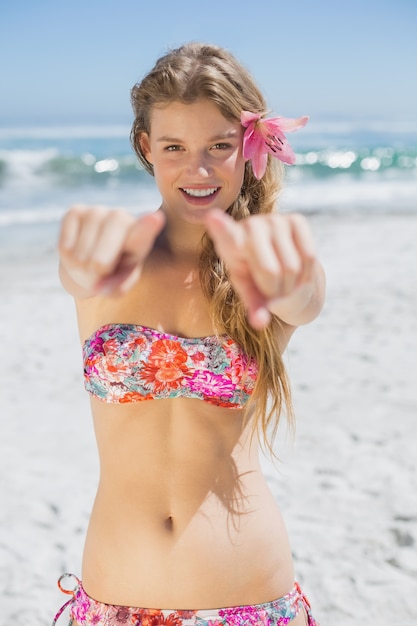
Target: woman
pixel 191 306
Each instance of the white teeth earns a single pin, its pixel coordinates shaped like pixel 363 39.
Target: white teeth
pixel 200 193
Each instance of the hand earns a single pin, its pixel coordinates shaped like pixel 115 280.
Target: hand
pixel 102 250
pixel 269 257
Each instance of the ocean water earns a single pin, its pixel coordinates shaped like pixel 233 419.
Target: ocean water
pixel 341 166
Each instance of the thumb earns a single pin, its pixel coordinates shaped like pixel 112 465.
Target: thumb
pixel 143 233
pixel 227 235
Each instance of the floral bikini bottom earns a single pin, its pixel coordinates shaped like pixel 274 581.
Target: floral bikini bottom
pixel 89 612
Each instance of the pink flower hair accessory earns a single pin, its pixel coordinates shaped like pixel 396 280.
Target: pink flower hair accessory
pixel 263 137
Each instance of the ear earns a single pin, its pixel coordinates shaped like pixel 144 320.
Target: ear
pixel 145 146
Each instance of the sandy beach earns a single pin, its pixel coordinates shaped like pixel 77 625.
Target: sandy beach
pixel 347 486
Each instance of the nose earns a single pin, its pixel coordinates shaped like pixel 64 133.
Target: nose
pixel 198 165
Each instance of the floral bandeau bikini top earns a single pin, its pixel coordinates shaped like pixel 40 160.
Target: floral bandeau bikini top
pixel 131 363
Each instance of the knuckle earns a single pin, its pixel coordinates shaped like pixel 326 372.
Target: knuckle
pixel 270 273
pixel 119 219
pixel 291 269
pixel 90 213
pixel 76 209
pixel 298 219
pixel 100 267
pixel 270 281
pixel 85 211
pixel 97 212
pixel 309 258
pixel 117 213
pixel 82 263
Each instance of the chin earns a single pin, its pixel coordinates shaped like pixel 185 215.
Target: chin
pixel 197 215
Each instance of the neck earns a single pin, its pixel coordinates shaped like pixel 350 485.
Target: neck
pixel 181 240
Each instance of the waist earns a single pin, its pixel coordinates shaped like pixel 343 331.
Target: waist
pixel 202 553
pixel 183 515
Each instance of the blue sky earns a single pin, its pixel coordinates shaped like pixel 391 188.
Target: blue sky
pixel 75 62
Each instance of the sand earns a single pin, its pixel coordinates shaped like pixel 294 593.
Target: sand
pixel 347 486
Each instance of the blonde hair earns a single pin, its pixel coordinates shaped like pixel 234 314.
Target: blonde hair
pixel 187 74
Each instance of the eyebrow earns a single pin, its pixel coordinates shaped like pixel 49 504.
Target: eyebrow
pixel 229 135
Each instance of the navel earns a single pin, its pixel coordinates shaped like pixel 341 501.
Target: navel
pixel 169 523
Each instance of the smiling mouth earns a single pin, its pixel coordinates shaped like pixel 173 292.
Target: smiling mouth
pixel 200 193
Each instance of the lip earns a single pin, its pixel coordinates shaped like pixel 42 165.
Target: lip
pixel 200 200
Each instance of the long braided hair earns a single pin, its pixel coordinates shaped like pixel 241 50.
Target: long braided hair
pixel 201 71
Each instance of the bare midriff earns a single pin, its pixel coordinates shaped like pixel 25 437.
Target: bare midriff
pixel 183 516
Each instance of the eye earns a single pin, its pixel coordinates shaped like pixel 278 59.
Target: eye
pixel 222 146
pixel 173 148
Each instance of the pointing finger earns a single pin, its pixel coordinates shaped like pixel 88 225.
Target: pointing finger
pixel 228 236
pixel 136 247
pixel 143 233
pixel 230 241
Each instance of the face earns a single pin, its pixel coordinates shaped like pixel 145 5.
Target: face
pixel 197 158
